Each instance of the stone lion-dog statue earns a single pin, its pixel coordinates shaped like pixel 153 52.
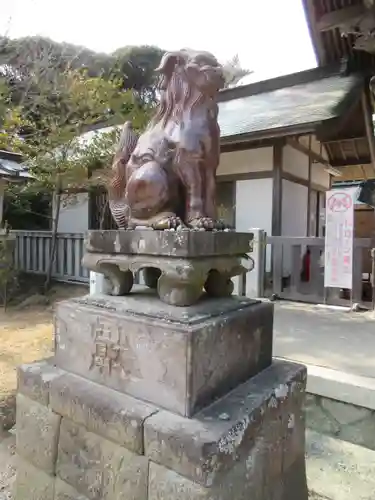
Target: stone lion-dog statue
pixel 166 177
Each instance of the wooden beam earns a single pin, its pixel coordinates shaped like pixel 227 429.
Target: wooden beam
pixel 287 176
pixel 309 190
pixel 277 188
pixel 353 162
pixel 364 172
pixel 344 139
pixel 367 112
pixel 346 16
pixel 314 156
pixel 246 176
pixel 310 14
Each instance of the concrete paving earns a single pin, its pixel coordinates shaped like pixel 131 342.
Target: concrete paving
pixel 339 470
pixel 339 340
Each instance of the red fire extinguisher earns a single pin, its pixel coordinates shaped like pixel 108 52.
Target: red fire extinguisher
pixel 305 273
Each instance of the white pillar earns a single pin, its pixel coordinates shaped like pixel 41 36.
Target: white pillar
pixel 98 284
pixel 254 278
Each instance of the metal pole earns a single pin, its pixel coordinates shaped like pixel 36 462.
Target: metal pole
pixel 373 278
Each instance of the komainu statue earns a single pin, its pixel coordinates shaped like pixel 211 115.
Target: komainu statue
pixel 166 178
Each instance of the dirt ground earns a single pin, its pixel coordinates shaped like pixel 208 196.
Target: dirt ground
pixel 26 333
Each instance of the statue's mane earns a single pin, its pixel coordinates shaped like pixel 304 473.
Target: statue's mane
pixel 180 96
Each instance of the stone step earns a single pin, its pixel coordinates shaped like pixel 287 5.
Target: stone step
pixel 338 470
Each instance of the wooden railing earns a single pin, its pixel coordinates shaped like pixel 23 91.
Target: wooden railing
pixel 287 282
pixel 32 255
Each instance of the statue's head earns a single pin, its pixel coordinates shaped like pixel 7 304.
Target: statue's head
pixel 195 68
pixel 188 79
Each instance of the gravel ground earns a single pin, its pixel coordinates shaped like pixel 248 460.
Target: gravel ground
pixel 7 465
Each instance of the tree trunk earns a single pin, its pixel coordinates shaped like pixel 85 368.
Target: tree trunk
pixel 55 222
pixel 103 214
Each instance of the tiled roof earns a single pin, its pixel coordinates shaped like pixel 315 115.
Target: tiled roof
pixel 11 169
pixel 311 102
pixel 342 185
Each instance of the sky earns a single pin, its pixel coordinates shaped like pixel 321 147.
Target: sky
pixel 270 36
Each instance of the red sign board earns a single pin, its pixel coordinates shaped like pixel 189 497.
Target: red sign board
pixel 338 256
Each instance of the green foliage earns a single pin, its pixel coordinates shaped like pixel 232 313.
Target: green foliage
pixel 75 103
pixel 25 209
pixel 8 275
pixel 10 121
pixel 28 62
pixel 136 65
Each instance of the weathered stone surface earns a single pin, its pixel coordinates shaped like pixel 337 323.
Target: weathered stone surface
pixel 317 418
pixel 64 491
pixel 101 410
pixel 32 483
pixel 99 469
pixel 7 412
pixel 294 484
pixel 34 380
pixel 187 261
pixel 345 421
pixel 267 407
pixel 244 481
pixel 158 353
pixel 361 433
pixel 181 280
pixel 167 484
pixel 344 413
pixel 169 243
pixel 37 433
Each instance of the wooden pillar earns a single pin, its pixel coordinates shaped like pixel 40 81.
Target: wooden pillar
pixel 2 192
pixel 308 208
pixel 277 188
pixel 367 111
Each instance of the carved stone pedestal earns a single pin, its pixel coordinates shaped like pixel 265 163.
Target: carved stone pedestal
pixel 78 440
pixel 147 401
pixel 177 358
pixel 179 264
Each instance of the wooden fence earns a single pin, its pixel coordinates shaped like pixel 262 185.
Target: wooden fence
pixel 33 252
pixel 285 263
pixel 286 280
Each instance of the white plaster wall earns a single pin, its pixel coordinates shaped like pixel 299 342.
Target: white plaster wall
pixel 254 204
pixel 242 162
pixel 254 207
pixel 294 216
pixel 74 214
pixel 294 209
pixel 295 163
pixel 319 175
pixel 315 145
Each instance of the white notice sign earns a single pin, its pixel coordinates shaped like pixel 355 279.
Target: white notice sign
pixel 338 256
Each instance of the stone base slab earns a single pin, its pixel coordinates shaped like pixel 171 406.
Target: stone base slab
pixel 181 359
pixel 178 264
pixel 249 444
pixel 178 281
pixel 189 244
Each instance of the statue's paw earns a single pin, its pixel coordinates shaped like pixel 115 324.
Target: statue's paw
pixel 169 223
pixel 207 224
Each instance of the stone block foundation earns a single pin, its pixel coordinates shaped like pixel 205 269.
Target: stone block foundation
pixel 78 440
